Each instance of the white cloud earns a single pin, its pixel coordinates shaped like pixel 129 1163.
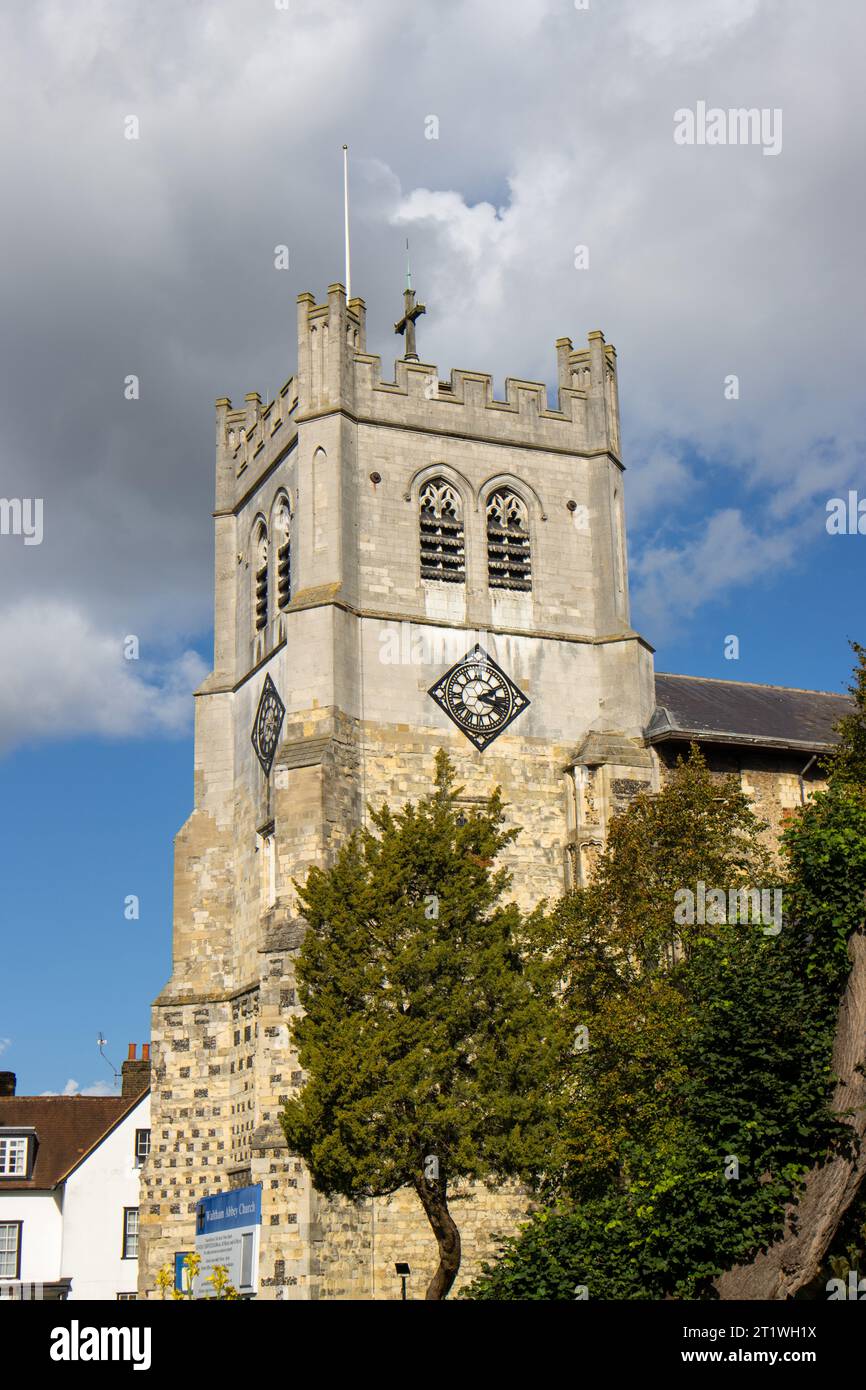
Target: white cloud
pixel 659 484
pixel 4 1044
pixel 726 553
pixel 72 1088
pixel 63 677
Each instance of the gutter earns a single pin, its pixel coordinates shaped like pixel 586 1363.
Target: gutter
pixel 743 740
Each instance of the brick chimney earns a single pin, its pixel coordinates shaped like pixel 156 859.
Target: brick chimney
pixel 7 1083
pixel 135 1071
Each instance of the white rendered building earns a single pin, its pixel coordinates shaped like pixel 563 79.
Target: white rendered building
pixel 69 1185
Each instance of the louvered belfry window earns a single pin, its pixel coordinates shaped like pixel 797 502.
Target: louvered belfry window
pixel 442 550
pixel 284 555
pixel 261 562
pixel 509 563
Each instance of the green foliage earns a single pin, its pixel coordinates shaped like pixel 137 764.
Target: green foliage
pixel 625 966
pixel 847 762
pixel 699 827
pixel 706 1043
pixel 425 1017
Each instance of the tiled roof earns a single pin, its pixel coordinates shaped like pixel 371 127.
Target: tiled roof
pixel 67 1128
pixel 766 716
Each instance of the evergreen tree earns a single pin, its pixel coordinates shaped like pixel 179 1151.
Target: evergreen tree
pixel 429 1047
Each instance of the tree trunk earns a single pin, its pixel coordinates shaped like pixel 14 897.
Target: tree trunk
pixel 434 1200
pixel 795 1259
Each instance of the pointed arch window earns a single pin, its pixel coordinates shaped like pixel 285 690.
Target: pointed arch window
pixel 283 529
pixel 443 554
pixel 509 562
pixel 260 560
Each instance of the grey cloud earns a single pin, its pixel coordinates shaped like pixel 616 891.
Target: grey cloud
pixel 155 256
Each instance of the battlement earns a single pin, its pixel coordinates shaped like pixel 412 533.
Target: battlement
pixel 337 375
pixel 465 404
pixel 250 439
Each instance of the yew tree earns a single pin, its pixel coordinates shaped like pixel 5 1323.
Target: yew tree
pixel 429 1043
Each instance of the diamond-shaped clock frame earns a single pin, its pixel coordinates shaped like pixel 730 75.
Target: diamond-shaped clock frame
pixel 443 692
pixel 267 725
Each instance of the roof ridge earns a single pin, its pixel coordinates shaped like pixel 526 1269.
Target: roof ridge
pixel 756 685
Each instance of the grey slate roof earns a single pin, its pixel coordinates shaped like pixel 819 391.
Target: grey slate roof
pixel 764 716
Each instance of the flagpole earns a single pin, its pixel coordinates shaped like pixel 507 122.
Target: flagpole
pixel 346 220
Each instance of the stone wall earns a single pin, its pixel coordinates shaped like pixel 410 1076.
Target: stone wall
pixel 771 779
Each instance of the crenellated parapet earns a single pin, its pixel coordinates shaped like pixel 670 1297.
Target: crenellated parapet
pixel 335 372
pixel 329 336
pixel 466 405
pixel 251 439
pixel 592 370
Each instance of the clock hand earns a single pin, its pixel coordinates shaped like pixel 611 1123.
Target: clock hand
pixel 499 701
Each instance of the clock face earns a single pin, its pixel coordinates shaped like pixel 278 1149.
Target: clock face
pixel 267 725
pixel 479 697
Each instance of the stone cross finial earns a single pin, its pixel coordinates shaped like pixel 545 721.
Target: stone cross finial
pixel 411 311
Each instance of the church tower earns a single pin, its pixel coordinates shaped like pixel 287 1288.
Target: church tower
pixel 401 566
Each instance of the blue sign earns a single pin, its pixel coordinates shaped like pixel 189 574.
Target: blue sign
pixel 181 1272
pixel 227 1230
pixel 228 1211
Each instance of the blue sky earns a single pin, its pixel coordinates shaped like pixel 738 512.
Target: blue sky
pixel 154 257
pixel 87 823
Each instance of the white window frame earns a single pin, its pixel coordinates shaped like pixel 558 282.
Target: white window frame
pixel 14 1144
pixel 13 1250
pixel 131 1232
pixel 141 1158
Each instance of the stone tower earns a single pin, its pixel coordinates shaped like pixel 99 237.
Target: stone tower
pixel 370 534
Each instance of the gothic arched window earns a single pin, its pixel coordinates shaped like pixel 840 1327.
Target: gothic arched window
pixel 441 524
pixel 509 564
pixel 260 563
pixel 283 530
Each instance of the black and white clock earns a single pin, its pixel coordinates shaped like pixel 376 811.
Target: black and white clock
pixel 479 697
pixel 267 725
